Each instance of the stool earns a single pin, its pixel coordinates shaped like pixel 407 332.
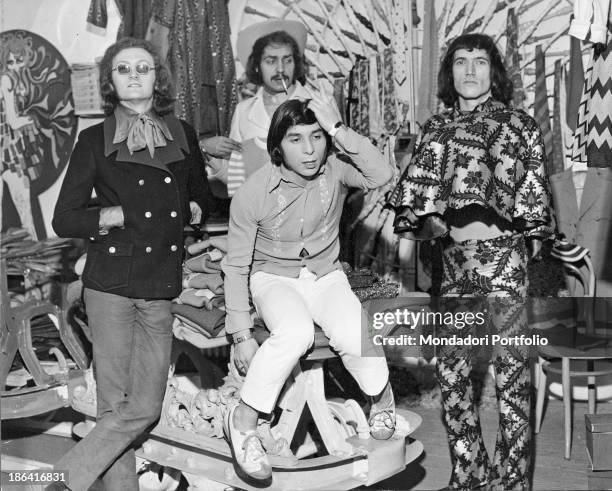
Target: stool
pixel 308 389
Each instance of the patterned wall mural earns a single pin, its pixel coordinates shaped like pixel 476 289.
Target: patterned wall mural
pixel 37 126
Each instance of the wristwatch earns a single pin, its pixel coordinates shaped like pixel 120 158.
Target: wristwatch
pixel 242 337
pixel 336 128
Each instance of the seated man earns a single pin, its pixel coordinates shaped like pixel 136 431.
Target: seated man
pixel 283 233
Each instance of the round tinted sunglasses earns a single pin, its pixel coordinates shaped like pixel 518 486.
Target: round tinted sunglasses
pixel 141 68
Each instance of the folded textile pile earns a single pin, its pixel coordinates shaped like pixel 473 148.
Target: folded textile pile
pixel 367 285
pixel 200 308
pixel 35 261
pixel 22 253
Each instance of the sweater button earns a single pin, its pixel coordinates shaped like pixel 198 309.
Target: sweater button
pixel 112 250
pixel 173 248
pixel 147 214
pixel 173 214
pixel 148 250
pixel 167 180
pixel 141 182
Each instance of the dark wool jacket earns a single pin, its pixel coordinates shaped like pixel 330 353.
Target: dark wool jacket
pixel 143 258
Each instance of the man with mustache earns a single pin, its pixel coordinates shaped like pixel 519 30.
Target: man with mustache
pixel 273 54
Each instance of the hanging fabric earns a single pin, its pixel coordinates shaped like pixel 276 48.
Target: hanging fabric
pixel 388 97
pixel 541 111
pixel 581 131
pixel 513 60
pixel 359 102
pixel 135 16
pixel 599 139
pixel 375 129
pixel 593 135
pixel 430 63
pixel 575 81
pixel 201 60
pixel 557 154
pixel 401 67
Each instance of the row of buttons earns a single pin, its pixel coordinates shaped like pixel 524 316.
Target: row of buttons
pixel 148 214
pixel 148 249
pixel 167 180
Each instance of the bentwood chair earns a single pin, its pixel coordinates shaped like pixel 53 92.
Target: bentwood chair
pixel 570 353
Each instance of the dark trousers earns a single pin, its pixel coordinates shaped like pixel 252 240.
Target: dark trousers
pixel 132 340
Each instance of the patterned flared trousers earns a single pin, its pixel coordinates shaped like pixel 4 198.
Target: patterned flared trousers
pixel 488 276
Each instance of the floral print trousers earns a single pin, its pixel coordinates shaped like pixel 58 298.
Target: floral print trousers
pixel 490 276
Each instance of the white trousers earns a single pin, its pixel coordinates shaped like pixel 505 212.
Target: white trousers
pixel 290 307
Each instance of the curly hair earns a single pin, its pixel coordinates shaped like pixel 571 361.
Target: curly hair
pixel 163 94
pixel 18 45
pixel 276 38
pixel 290 113
pixel 501 85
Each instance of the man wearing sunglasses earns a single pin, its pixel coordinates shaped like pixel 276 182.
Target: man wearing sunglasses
pixel 273 54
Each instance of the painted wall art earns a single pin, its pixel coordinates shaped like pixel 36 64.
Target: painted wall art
pixel 37 126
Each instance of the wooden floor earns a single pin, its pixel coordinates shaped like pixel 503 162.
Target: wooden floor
pixel 551 470
pixel 431 472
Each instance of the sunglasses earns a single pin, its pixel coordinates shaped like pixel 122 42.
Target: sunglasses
pixel 141 68
pixel 18 60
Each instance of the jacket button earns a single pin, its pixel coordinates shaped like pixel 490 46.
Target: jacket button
pixel 112 250
pixel 173 214
pixel 167 180
pixel 141 182
pixel 173 248
pixel 148 249
pixel 147 214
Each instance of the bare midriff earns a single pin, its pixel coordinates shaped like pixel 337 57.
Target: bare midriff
pixel 477 231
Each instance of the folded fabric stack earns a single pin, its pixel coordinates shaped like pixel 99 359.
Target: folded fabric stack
pixel 200 308
pixel 368 285
pixel 31 268
pixel 36 261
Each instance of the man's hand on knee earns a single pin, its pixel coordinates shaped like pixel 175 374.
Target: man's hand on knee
pixel 243 354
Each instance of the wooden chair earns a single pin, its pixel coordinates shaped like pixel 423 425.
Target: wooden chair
pixel 566 359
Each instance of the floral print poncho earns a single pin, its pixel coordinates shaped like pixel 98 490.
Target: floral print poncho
pixel 492 156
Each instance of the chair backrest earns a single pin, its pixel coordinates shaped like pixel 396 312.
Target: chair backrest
pixel 586 276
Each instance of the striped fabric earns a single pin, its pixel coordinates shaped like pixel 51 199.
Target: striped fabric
pixel 513 60
pixel 541 112
pixel 593 135
pixel 580 133
pixel 569 253
pixel 599 139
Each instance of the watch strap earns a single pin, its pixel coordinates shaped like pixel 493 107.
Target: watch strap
pixel 336 128
pixel 242 337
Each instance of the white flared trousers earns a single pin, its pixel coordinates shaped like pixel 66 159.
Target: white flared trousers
pixel 290 307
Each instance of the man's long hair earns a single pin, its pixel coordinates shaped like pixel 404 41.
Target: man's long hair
pixel 280 38
pixel 501 85
pixel 288 114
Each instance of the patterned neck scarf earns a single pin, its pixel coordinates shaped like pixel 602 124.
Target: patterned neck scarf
pixel 141 130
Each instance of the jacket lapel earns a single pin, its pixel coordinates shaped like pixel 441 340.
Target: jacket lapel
pixel 172 152
pixel 591 191
pixel 564 193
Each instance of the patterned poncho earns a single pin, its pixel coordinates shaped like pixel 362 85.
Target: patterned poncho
pixel 492 156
